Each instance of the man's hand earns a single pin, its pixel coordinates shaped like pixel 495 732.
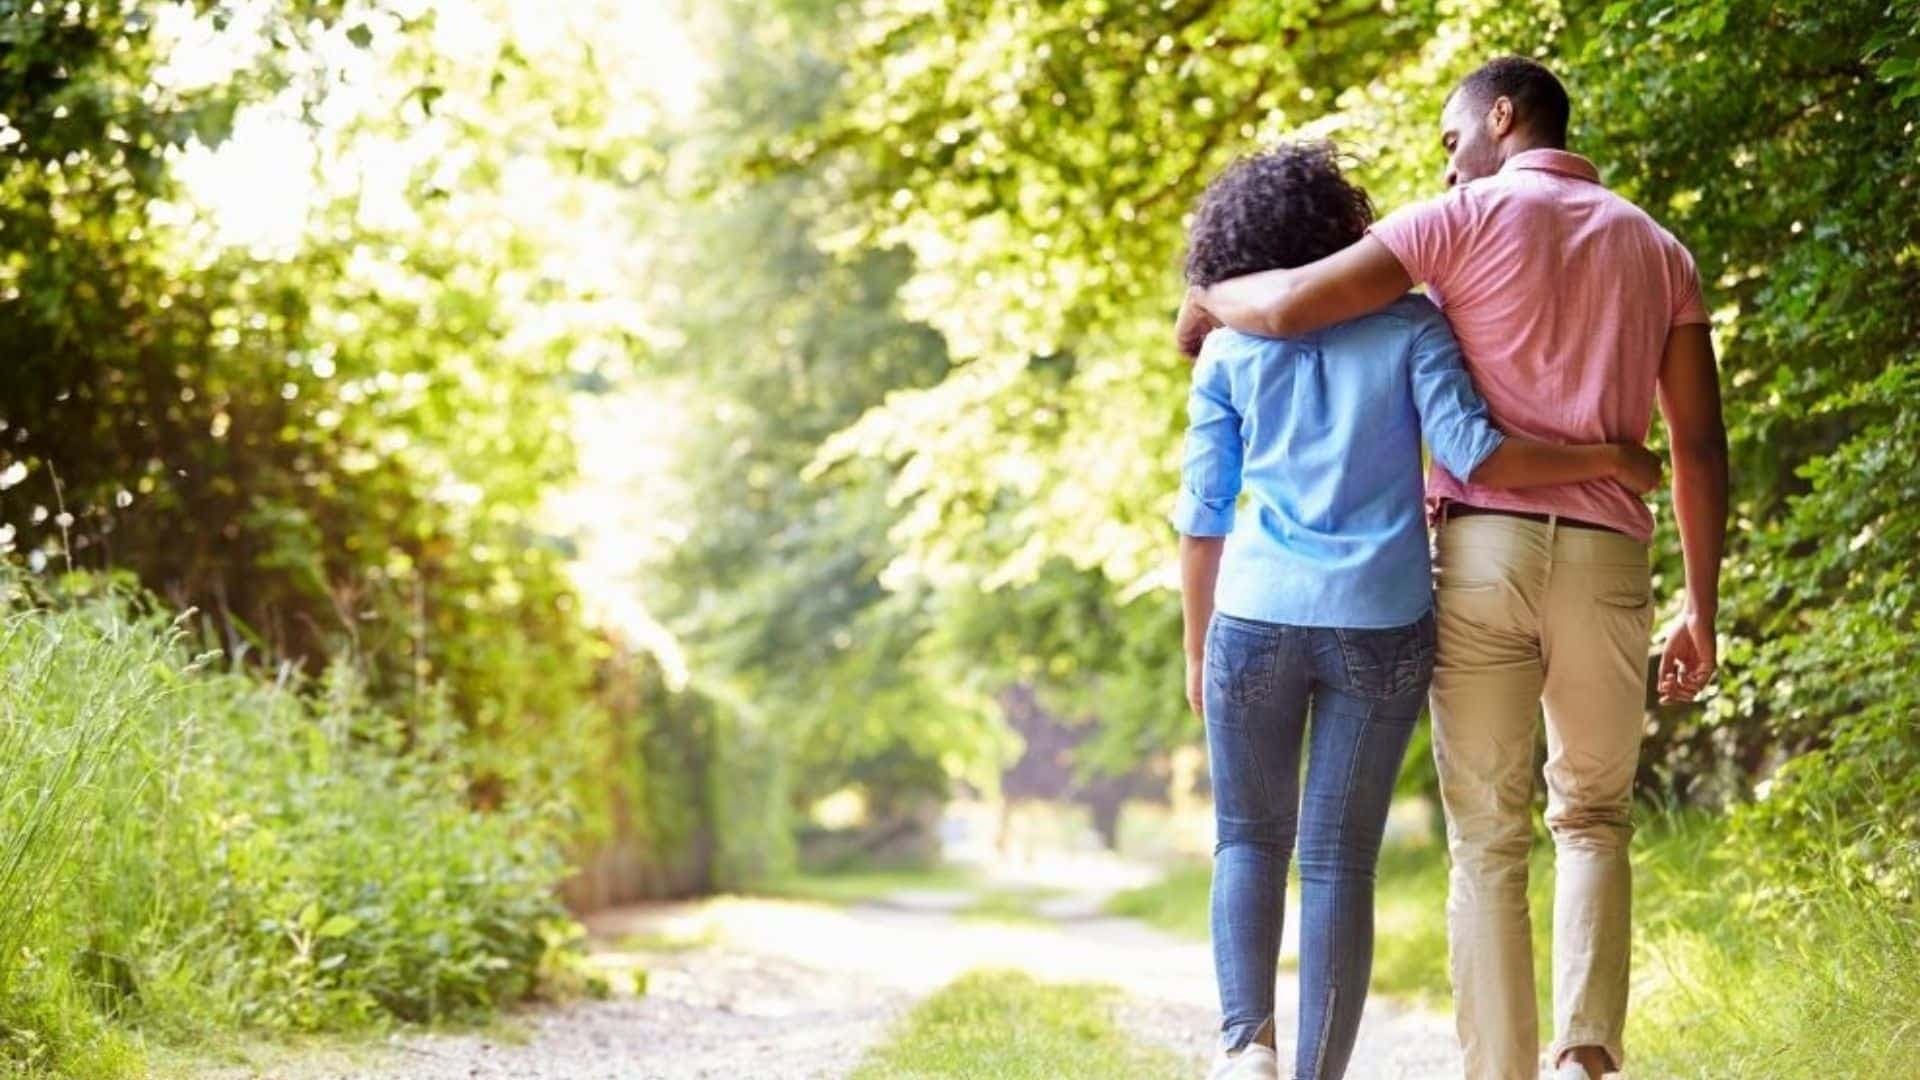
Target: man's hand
pixel 1196 692
pixel 1638 468
pixel 1193 324
pixel 1688 661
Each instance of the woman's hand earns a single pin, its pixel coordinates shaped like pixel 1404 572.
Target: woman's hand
pixel 1199 571
pixel 1196 692
pixel 1638 467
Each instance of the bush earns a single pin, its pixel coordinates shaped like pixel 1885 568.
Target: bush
pixel 189 848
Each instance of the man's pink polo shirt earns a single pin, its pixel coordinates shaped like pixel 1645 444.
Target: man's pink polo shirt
pixel 1562 294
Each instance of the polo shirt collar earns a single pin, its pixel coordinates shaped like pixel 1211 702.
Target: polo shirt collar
pixel 1554 161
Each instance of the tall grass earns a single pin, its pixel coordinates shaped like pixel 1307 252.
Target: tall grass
pixel 1723 986
pixel 189 849
pixel 74 688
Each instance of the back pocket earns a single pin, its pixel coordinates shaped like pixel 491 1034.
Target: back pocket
pixel 1241 660
pixel 1386 664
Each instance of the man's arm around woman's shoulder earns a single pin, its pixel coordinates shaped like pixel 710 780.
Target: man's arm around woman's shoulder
pixel 1347 284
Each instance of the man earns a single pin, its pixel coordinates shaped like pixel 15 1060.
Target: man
pixel 1575 311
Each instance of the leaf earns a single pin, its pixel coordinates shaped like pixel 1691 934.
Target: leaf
pixel 338 926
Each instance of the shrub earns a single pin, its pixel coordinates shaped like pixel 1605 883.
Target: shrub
pixel 191 848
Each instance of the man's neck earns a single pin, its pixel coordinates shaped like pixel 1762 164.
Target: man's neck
pixel 1518 145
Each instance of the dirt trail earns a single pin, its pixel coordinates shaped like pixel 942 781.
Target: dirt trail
pixel 784 989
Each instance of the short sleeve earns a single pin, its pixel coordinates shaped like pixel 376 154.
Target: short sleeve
pixel 1454 421
pixel 1688 305
pixel 1428 237
pixel 1210 474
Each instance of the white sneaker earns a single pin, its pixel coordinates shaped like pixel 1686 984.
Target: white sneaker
pixel 1255 1061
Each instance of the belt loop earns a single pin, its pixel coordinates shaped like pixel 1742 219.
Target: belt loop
pixel 1553 536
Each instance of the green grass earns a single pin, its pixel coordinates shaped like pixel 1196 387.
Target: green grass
pixel 1010 1027
pixel 1410 926
pixel 1177 902
pixel 1717 992
pixel 228 1055
pixel 1828 992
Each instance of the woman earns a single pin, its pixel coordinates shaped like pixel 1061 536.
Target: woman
pixel 1318 601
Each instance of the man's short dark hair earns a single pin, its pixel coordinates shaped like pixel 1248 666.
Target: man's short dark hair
pixel 1539 100
pixel 1282 208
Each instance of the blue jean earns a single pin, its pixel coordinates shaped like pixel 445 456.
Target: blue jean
pixel 1364 689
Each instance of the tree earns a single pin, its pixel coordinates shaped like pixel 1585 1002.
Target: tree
pixel 340 443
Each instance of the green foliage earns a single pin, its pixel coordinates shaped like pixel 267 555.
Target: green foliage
pixel 231 851
pixel 1041 187
pixel 343 443
pixel 1108 661
pixel 341 436
pixel 70 708
pixel 1788 163
pixel 328 924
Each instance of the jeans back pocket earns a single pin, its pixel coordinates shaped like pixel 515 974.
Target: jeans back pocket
pixel 1241 659
pixel 1390 663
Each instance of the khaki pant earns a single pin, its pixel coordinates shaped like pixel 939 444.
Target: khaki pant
pixel 1538 614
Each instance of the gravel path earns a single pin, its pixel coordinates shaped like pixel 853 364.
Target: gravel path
pixel 777 989
pixel 713 1012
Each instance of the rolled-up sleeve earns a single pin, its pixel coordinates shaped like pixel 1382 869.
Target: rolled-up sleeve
pixel 1210 474
pixel 1454 421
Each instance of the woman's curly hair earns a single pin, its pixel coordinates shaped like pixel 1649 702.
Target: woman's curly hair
pixel 1281 208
